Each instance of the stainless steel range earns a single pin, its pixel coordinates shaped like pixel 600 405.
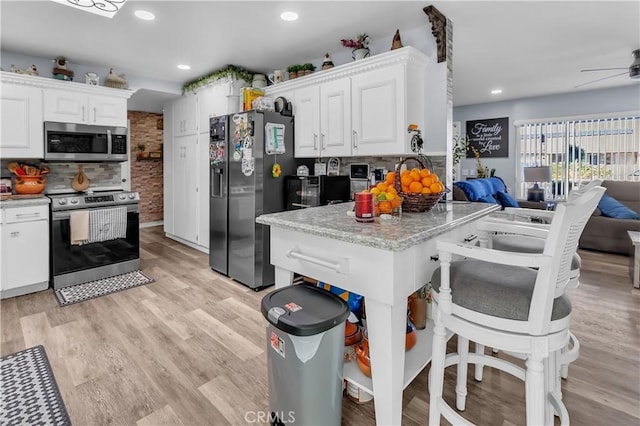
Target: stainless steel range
pixel 108 226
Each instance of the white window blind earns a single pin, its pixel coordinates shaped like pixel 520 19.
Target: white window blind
pixel 578 151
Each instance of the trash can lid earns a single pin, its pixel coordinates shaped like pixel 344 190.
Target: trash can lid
pixel 304 310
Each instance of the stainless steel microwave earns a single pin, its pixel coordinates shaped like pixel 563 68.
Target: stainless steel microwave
pixel 81 142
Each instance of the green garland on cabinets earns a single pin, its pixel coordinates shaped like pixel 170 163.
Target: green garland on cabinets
pixel 230 71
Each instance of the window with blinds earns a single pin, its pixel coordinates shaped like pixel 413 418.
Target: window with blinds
pixel 579 151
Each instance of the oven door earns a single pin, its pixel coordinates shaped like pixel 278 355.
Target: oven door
pixel 72 264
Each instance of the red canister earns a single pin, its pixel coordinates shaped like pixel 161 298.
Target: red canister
pixel 364 207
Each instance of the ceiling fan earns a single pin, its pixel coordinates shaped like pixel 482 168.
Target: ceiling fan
pixel 633 70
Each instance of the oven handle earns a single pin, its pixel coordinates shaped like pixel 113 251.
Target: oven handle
pixel 66 214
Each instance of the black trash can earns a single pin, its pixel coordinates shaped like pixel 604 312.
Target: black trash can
pixel 305 348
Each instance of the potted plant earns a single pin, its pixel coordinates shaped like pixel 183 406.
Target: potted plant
pixel 308 68
pixel 141 147
pixel 293 71
pixel 360 46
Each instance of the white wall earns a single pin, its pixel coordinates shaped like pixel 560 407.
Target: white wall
pixel 602 101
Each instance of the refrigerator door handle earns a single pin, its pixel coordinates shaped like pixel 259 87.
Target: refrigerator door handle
pixel 315 141
pixel 324 144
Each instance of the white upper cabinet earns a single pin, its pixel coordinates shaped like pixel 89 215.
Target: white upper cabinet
pixel 362 108
pixel 21 132
pixel 184 115
pixel 335 118
pixel 307 122
pixel 378 99
pixel 66 106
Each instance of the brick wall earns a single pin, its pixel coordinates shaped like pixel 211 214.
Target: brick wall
pixel 146 175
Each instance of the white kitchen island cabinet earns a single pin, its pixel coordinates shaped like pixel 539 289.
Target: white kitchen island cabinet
pixel 384 262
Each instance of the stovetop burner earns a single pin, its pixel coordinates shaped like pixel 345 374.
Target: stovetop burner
pixel 79 200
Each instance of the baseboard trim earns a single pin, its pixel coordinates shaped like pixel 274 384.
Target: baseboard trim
pixel 152 224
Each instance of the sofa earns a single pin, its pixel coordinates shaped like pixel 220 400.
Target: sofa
pixel 482 190
pixel 609 234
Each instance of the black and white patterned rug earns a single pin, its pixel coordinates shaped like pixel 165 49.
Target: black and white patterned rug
pixel 81 292
pixel 29 394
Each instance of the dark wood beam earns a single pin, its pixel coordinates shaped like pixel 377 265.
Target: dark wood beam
pixel 438 29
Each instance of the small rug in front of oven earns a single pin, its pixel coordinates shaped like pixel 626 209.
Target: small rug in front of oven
pixel 29 394
pixel 81 292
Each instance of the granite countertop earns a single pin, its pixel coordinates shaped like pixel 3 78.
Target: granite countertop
pixel 396 234
pixel 17 201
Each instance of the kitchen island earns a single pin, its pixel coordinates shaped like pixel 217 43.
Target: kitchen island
pixel 384 261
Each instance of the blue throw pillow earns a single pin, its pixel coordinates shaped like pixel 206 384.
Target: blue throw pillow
pixel 611 207
pixel 506 200
pixel 487 199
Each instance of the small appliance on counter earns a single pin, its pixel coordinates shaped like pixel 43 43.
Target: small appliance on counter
pixel 312 191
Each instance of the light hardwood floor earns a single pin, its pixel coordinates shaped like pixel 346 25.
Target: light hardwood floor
pixel 189 349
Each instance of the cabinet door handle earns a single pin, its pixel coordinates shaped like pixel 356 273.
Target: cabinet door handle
pixel 83 114
pixel 355 139
pixel 341 267
pixel 315 142
pixel 324 144
pixel 95 114
pixel 37 214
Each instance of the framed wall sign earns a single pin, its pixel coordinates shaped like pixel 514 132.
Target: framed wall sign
pixel 489 136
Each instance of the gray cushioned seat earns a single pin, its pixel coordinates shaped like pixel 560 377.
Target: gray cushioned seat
pixel 525 244
pixel 502 291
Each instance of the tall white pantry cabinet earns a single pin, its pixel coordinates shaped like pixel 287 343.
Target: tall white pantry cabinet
pixel 186 159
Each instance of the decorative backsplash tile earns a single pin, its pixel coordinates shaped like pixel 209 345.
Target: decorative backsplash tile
pixel 101 176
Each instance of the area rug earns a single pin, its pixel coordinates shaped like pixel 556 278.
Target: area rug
pixel 29 394
pixel 81 292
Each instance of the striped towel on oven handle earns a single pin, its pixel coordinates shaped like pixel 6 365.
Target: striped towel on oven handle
pixel 107 224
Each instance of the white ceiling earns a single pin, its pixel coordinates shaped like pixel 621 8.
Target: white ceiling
pixel 526 48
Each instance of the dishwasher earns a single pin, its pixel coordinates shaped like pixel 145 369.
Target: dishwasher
pixel 24 249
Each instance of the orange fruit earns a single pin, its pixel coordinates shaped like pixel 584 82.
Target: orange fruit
pixel 376 210
pixel 395 203
pixel 415 175
pixel 415 187
pixel 424 173
pixel 435 177
pixel 404 173
pixel 405 188
pixel 415 169
pixel 427 181
pixel 436 187
pixel 385 207
pixel 392 189
pixel 406 180
pixel 391 176
pixel 426 190
pixel 382 186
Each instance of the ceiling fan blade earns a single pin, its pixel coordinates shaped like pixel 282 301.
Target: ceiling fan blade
pixel 602 69
pixel 600 79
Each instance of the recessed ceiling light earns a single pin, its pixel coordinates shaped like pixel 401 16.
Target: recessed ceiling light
pixel 184 67
pixel 145 15
pixel 496 91
pixel 288 16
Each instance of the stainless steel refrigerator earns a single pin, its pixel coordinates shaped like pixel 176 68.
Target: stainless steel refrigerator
pixel 245 151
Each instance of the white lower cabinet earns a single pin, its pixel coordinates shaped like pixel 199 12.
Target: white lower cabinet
pixel 25 250
pixel 184 188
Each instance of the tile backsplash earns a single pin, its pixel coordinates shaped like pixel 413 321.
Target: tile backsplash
pixel 101 175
